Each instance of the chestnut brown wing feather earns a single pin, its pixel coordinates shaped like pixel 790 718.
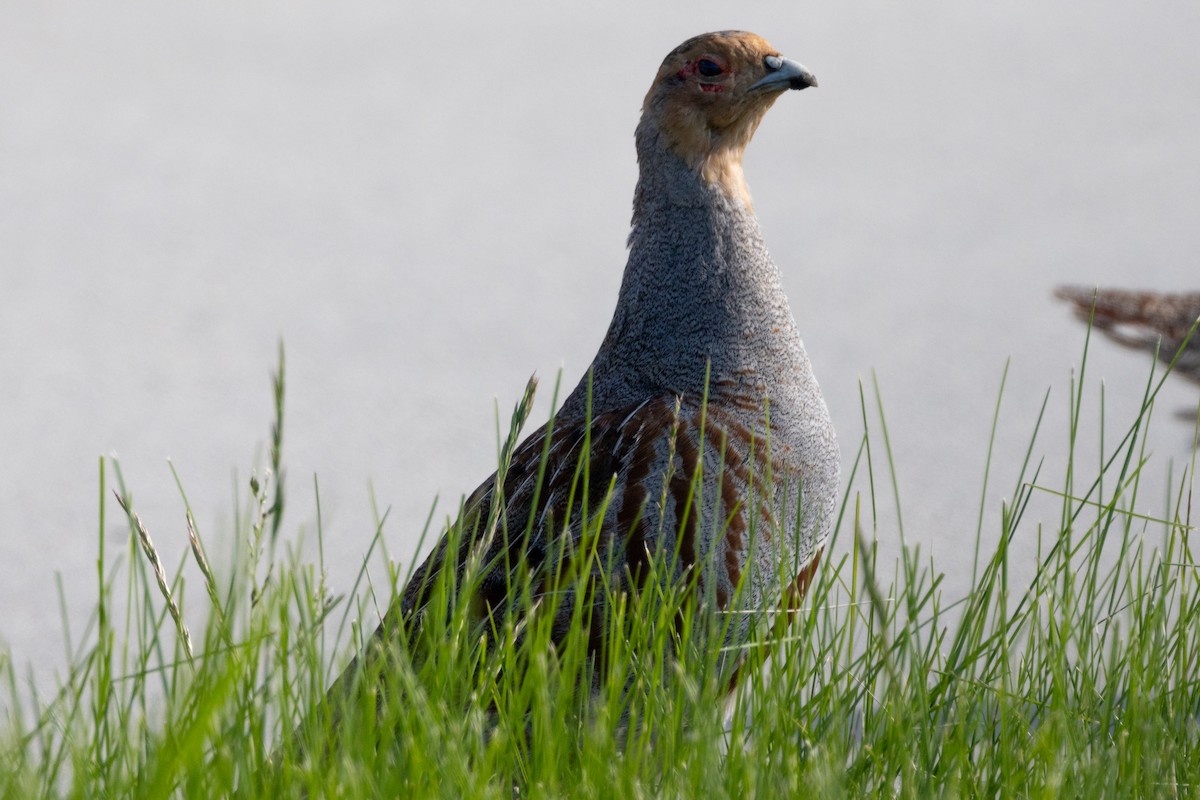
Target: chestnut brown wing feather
pixel 628 486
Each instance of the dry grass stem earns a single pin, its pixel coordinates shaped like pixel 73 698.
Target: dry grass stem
pixel 160 574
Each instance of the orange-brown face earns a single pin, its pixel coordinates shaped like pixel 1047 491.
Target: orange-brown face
pixel 712 91
pixel 722 82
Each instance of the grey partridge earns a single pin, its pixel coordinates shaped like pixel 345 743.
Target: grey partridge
pixel 699 424
pixel 1150 321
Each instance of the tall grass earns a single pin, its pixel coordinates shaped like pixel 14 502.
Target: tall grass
pixel 1083 681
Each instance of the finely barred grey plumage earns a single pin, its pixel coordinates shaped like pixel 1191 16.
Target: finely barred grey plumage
pixel 1152 321
pixel 700 297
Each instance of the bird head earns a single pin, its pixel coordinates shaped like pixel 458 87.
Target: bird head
pixel 709 96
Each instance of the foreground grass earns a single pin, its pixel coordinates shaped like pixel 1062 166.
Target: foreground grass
pixel 1084 681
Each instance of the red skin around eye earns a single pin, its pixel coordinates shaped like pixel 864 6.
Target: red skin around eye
pixel 690 69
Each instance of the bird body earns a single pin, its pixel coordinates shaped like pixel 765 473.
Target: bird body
pixel 699 424
pixel 1152 321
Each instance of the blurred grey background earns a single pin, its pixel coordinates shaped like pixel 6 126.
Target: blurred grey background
pixel 427 204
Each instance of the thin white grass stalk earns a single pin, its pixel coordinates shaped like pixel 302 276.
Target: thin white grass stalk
pixel 210 583
pixel 260 491
pixel 277 386
pixel 773 613
pixel 256 536
pixel 160 574
pixel 197 547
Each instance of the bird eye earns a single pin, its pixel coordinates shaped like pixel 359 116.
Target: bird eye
pixel 773 62
pixel 707 68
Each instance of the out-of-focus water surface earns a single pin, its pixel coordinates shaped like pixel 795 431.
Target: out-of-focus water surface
pixel 427 205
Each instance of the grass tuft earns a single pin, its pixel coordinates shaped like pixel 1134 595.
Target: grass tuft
pixel 1081 680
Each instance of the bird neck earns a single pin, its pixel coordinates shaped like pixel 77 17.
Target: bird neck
pixel 699 289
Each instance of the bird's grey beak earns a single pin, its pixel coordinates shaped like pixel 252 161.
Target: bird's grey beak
pixel 784 74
